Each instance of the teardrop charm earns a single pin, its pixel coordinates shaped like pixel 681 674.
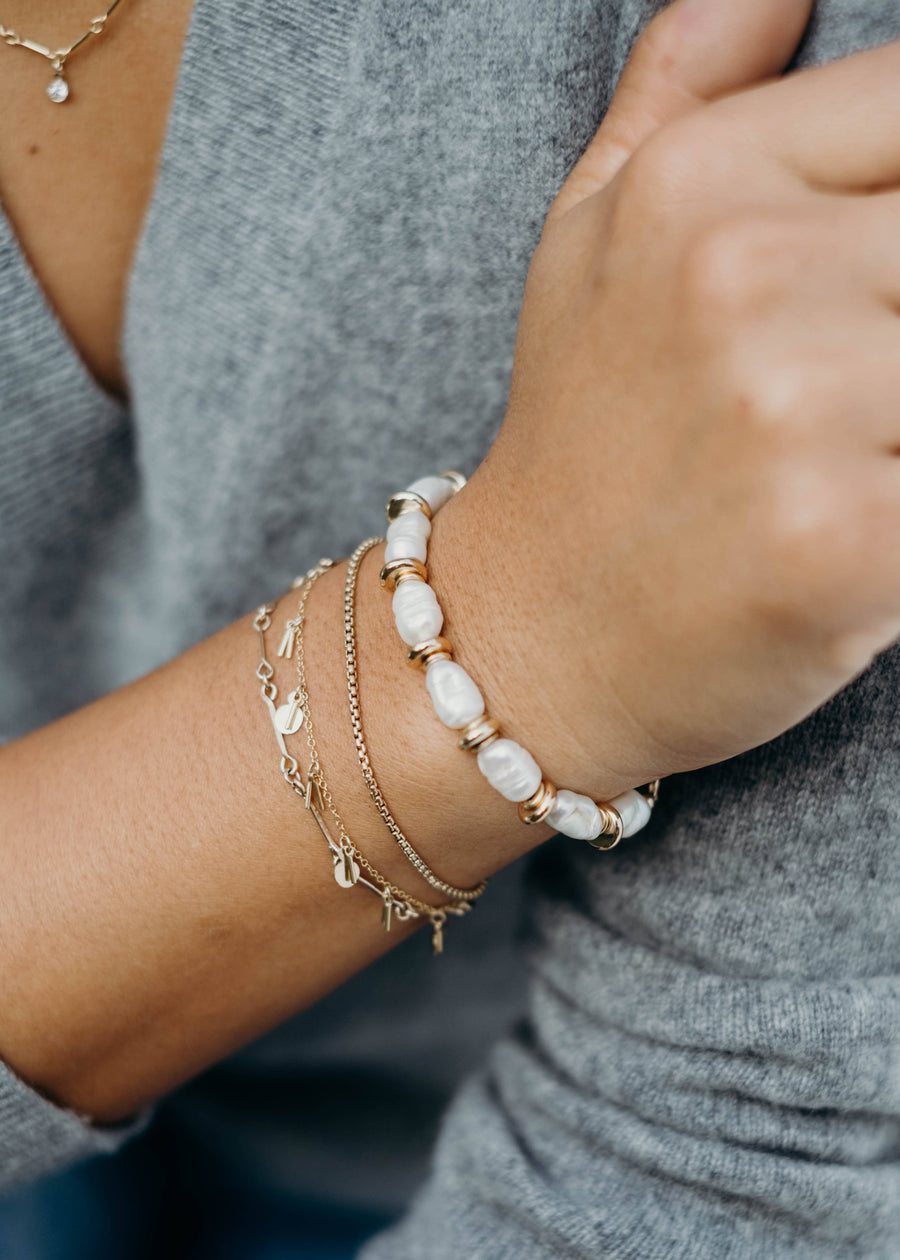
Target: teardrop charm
pixel 58 89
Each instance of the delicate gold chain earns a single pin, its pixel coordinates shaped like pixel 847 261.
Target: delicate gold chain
pixel 58 90
pixel 349 861
pixel 290 767
pixel 362 752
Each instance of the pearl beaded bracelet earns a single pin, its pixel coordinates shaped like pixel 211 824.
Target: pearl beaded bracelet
pixel 456 697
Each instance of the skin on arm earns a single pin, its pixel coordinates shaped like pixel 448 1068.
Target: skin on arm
pixel 166 896
pixel 166 900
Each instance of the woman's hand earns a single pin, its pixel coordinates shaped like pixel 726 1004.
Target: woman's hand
pixel 684 528
pixel 669 555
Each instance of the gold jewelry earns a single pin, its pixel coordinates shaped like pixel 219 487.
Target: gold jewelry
pixel 347 860
pixel 423 654
pixel 457 698
pixel 397 571
pixel 362 752
pixel 58 87
pixel 538 805
pixel 478 734
pixel 407 501
pixel 614 828
pixel 394 903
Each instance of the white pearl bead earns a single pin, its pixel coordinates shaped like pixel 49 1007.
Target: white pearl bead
pixel 416 523
pixel 634 809
pixel 455 696
pixel 406 547
pixel 575 815
pixel 434 490
pixel 416 612
pixel 510 769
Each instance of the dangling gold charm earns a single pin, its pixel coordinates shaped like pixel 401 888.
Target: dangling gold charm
pixel 437 932
pixel 289 638
pixel 289 716
pixel 313 795
pixel 346 869
pixel 387 908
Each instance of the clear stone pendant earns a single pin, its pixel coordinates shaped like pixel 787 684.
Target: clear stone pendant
pixel 58 89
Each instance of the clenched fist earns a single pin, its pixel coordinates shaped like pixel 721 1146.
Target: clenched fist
pixel 683 538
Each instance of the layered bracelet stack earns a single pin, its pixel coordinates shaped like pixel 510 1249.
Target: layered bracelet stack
pixel 458 702
pixel 459 895
pixel 350 866
pixel 457 699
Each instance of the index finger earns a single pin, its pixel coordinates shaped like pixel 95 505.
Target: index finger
pixel 836 125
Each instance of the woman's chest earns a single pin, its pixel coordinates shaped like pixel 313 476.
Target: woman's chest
pixel 76 176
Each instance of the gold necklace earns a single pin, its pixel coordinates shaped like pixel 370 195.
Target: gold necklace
pixel 58 87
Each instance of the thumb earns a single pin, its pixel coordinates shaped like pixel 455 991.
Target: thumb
pixel 691 53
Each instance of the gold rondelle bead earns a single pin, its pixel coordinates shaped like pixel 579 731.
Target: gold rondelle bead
pixel 407 501
pixel 613 828
pixel 397 571
pixel 456 479
pixel 538 806
pixel 422 655
pixel 479 734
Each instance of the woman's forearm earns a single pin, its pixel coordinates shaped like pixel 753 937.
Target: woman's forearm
pixel 651 571
pixel 166 898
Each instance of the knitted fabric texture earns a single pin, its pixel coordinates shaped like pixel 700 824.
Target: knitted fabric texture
pixel 324 304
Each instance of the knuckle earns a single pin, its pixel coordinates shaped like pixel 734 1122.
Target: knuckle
pixel 803 535
pixel 780 398
pixel 848 652
pixel 737 267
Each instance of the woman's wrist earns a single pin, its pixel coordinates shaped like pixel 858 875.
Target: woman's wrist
pixel 450 814
pixel 454 820
pixel 508 631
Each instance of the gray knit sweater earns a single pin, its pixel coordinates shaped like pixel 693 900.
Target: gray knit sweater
pixel 323 303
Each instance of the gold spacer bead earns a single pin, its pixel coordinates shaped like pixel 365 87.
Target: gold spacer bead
pixel 422 655
pixel 479 734
pixel 538 806
pixel 613 828
pixel 397 571
pixel 456 479
pixel 407 501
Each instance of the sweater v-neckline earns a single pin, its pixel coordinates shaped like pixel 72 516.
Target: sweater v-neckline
pixel 28 298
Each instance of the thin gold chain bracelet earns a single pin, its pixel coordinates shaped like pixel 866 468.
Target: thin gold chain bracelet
pixel 347 860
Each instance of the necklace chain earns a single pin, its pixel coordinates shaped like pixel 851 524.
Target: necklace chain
pixel 58 89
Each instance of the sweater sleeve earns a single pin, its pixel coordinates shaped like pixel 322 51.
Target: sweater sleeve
pixel 37 1137
pixel 711 1065
pixel 710 1068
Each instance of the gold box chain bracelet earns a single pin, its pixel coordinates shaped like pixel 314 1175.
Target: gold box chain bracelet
pixel 362 752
